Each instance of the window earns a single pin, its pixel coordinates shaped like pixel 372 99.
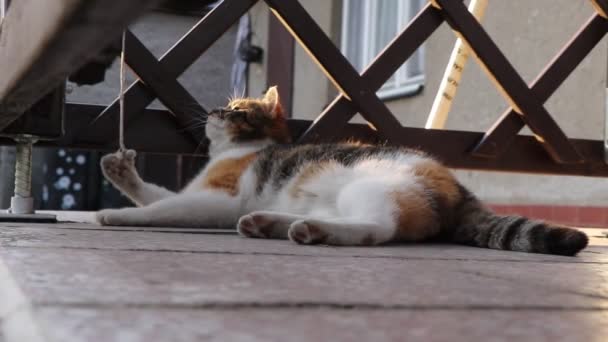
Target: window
pixel 368 26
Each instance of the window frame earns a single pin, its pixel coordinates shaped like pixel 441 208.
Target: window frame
pixel 405 86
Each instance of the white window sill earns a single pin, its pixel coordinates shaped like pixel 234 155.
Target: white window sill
pixel 411 88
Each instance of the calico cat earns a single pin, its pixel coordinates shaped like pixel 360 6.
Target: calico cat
pixel 336 194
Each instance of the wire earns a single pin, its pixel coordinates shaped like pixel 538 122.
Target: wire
pixel 121 128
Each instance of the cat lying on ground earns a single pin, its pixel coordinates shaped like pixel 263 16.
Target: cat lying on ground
pixel 337 194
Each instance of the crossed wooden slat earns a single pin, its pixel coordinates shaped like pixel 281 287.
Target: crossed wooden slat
pixel 158 77
pixel 169 91
pixel 601 6
pixel 528 108
pixel 43 42
pixel 399 50
pixel 358 91
pixel 509 82
pixel 498 138
pixel 336 66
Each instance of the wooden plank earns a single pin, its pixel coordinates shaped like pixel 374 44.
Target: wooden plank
pixel 43 119
pixel 336 67
pixel 498 138
pixel 44 41
pixel 101 285
pixel 509 82
pixel 184 107
pixel 341 110
pixel 525 154
pixel 280 65
pixel 601 6
pixel 152 275
pixel 211 241
pixel 161 135
pixel 262 324
pixel 156 131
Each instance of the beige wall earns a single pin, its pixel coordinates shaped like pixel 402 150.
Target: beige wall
pixel 529 32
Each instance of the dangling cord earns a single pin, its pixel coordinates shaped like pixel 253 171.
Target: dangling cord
pixel 121 98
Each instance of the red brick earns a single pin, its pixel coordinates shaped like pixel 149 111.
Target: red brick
pixel 523 210
pixel 565 215
pixel 501 209
pixel 592 216
pixel 541 212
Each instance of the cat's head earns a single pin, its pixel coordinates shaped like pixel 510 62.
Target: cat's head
pixel 249 120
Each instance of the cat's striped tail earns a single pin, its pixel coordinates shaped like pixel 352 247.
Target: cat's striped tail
pixel 480 227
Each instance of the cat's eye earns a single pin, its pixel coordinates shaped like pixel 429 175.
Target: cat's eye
pixel 236 114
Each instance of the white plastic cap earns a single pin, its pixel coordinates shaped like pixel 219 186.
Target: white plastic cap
pixel 22 205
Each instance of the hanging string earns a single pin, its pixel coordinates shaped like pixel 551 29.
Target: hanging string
pixel 121 97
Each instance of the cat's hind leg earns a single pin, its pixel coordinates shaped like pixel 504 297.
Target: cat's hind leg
pixel 266 224
pixel 119 169
pixel 340 232
pixel 358 222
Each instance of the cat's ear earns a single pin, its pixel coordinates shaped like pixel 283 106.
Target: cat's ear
pixel 271 98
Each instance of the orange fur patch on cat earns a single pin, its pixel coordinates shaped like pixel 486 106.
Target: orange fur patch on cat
pixel 225 174
pixel 416 219
pixel 439 179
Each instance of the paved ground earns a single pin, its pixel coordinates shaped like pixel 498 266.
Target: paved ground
pixel 78 282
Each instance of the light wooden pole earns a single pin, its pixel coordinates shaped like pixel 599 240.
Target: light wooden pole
pixel 606 121
pixel 3 6
pixel 453 73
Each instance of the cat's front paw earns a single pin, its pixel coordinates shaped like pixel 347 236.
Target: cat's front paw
pixel 307 233
pixel 119 167
pixel 255 226
pixel 108 217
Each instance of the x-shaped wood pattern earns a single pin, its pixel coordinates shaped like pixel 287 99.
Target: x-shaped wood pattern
pixel 169 91
pixel 158 78
pixel 498 138
pixel 527 108
pixel 509 82
pixel 399 50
